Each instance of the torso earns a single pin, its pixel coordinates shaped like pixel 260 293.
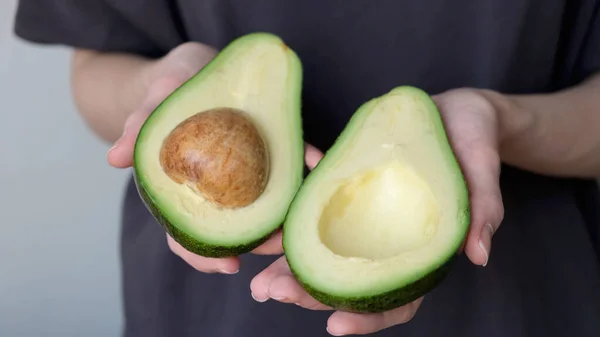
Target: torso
pixel 543 275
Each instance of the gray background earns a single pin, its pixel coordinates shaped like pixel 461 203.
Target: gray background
pixel 59 200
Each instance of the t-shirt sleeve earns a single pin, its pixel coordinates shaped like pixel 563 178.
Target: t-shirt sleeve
pixel 89 24
pixel 590 57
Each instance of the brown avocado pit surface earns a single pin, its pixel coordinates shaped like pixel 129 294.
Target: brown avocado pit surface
pixel 220 154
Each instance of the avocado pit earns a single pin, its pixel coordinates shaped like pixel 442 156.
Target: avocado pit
pixel 220 154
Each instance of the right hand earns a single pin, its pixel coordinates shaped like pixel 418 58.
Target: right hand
pixel 167 74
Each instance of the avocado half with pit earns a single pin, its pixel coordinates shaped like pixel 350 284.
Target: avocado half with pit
pixel 219 161
pixel 378 222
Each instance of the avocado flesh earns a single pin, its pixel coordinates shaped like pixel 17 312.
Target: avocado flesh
pixel 378 222
pixel 256 73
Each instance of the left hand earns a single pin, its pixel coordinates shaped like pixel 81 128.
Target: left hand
pixel 472 126
pixel 167 74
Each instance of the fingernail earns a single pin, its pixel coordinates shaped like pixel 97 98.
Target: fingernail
pixel 260 300
pixel 223 271
pixel 485 241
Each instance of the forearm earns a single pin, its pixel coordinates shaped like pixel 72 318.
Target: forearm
pixel 107 88
pixel 554 134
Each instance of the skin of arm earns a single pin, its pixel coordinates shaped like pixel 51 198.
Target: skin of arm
pixel 556 134
pixel 108 87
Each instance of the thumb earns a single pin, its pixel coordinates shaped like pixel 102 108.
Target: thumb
pixel 470 122
pixel 121 154
pixel 482 171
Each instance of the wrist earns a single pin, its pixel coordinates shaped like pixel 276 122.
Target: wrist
pixel 513 120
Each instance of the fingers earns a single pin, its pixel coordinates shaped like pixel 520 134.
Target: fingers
pixel 346 323
pixel 259 286
pixel 312 156
pixel 482 172
pixel 487 214
pixel 276 282
pixel 121 154
pixel 272 246
pixel 286 289
pixel 230 265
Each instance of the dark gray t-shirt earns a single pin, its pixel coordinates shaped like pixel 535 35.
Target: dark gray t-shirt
pixel 543 278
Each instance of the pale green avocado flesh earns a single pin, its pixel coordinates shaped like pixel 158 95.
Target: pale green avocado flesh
pixel 379 221
pixel 260 75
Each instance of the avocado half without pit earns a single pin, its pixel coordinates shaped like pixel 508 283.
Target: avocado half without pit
pixel 219 161
pixel 378 222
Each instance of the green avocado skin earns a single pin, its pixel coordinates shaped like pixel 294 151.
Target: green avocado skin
pixel 384 301
pixel 188 242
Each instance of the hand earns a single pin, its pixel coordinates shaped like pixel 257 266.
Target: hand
pixel 165 75
pixel 471 124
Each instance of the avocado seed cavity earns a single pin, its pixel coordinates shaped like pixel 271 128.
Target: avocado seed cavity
pixel 220 154
pixel 380 213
